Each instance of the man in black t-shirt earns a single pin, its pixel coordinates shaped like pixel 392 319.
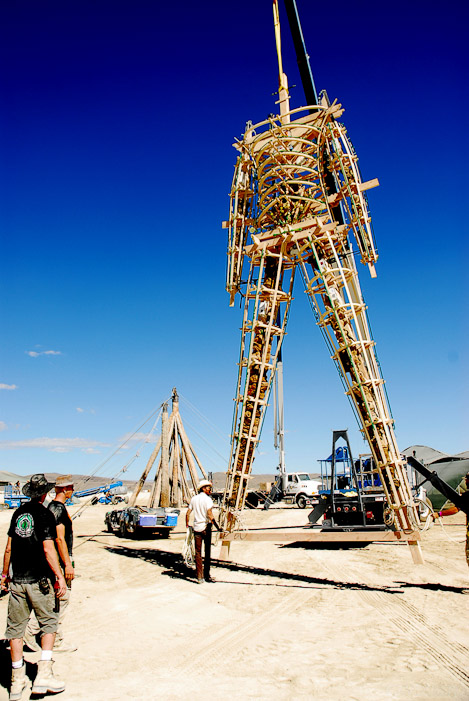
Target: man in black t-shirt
pixel 64 546
pixel 30 571
pixel 64 541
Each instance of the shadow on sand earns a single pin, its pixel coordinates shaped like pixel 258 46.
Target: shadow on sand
pixel 305 545
pixel 432 586
pixel 176 568
pixel 5 667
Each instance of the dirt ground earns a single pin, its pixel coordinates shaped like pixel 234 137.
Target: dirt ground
pixel 281 622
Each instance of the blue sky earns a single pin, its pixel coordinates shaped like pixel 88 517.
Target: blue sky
pixel 117 120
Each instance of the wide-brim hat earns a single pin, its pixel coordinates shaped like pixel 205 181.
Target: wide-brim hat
pixel 204 483
pixel 37 486
pixel 64 481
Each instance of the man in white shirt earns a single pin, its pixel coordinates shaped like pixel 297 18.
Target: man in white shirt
pixel 201 505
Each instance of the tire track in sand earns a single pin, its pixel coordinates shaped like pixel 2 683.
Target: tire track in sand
pixel 234 635
pixel 451 656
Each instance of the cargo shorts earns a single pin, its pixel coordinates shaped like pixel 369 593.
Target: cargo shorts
pixel 25 597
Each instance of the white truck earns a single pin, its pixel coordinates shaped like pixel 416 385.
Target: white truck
pixel 300 488
pixel 290 487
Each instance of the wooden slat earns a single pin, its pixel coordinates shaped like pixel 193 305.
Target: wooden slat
pixel 299 236
pixel 368 184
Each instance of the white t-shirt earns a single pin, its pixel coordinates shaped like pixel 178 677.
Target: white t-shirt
pixel 200 504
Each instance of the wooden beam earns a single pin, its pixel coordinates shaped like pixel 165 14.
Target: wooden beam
pixel 144 476
pixel 416 552
pixel 309 535
pixel 186 495
pixel 198 461
pixel 334 198
pixel 172 482
pixel 224 550
pixel 313 535
pixel 368 184
pixel 175 491
pixel 164 499
pixel 156 489
pixel 274 242
pixel 189 452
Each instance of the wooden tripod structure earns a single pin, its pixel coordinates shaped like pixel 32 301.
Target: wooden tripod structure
pixel 298 204
pixel 176 476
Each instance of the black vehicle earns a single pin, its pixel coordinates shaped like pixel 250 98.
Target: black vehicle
pixel 140 521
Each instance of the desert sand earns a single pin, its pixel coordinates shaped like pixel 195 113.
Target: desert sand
pixel 280 622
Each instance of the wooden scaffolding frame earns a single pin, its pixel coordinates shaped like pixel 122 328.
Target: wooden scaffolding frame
pixel 284 216
pixel 176 477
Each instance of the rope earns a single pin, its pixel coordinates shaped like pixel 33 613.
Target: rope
pixel 188 550
pixel 239 523
pixel 453 540
pixel 85 540
pixel 426 514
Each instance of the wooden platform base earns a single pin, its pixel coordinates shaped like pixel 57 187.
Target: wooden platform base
pixel 317 536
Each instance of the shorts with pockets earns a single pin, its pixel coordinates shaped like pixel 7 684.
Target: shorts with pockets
pixel 23 598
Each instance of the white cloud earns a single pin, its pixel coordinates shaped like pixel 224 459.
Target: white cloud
pixel 130 439
pixel 3 426
pixel 91 451
pixel 54 445
pixel 35 354
pixel 3 386
pixel 80 410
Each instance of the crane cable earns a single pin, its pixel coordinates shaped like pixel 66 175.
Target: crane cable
pixel 123 469
pixel 101 464
pixel 204 418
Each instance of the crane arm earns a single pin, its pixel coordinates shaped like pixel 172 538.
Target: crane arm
pixel 96 490
pixel 440 484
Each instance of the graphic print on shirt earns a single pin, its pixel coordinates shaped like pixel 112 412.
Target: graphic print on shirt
pixel 24 526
